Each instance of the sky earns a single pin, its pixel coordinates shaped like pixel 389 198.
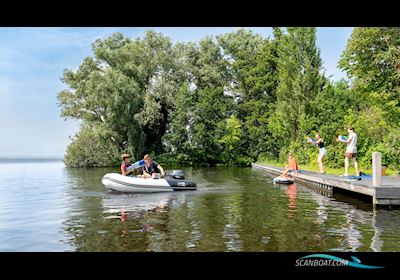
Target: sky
pixel 32 61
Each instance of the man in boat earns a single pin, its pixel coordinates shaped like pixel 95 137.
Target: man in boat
pixel 290 167
pixel 152 169
pixel 126 166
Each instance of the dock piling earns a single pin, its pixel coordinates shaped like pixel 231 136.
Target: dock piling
pixel 376 169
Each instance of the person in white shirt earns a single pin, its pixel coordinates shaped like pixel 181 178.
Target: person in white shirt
pixel 351 151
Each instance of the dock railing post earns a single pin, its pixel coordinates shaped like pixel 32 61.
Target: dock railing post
pixel 376 169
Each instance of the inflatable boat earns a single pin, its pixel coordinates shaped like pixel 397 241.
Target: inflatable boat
pixel 120 183
pixel 280 180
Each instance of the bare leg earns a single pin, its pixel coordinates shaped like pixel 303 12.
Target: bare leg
pixel 285 173
pixel 356 166
pixel 346 166
pixel 320 164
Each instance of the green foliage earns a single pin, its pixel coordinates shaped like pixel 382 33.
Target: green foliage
pixel 233 100
pixel 372 56
pixel 392 149
pixel 299 79
pixel 177 137
pixel 210 112
pixel 201 108
pixel 90 148
pixel 252 73
pixel 128 87
pixel 372 60
pixel 230 142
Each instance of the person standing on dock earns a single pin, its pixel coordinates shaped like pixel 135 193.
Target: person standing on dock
pixel 319 142
pixel 351 150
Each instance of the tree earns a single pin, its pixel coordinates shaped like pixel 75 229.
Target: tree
pixel 90 147
pixel 211 103
pixel 200 105
pixel 372 61
pixel 299 81
pixel 177 139
pixel 372 58
pixel 232 100
pixel 210 111
pixel 127 89
pixel 330 108
pixel 252 82
pixel 230 141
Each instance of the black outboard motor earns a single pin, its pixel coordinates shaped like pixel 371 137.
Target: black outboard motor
pixel 176 180
pixel 177 174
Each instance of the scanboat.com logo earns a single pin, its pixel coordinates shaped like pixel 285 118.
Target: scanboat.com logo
pixel 329 260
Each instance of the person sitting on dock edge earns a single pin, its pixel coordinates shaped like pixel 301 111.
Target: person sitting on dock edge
pixel 290 167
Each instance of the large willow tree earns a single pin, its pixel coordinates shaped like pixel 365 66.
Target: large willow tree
pixel 125 92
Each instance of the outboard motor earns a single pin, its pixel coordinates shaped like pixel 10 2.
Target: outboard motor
pixel 177 174
pixel 176 180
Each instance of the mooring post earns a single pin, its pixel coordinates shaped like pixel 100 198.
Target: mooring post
pixel 376 169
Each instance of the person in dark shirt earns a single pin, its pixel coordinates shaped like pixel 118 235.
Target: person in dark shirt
pixel 152 169
pixel 319 142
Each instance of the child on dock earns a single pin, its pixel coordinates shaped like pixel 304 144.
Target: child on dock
pixel 291 166
pixel 319 142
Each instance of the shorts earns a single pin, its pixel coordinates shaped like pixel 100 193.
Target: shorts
pixel 322 152
pixel 350 155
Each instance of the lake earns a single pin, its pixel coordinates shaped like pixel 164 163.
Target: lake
pixel 45 206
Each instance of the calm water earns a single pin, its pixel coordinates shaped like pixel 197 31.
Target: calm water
pixel 45 206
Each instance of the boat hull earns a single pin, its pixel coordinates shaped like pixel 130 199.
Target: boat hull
pixel 120 183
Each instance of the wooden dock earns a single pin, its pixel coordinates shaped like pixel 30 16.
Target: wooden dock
pixel 387 194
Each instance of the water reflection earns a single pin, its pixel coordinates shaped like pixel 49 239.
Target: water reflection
pixel 292 194
pixel 354 224
pixel 135 204
pixel 351 224
pixel 386 223
pixel 234 209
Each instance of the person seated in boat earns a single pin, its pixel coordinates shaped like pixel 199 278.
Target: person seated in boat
pixel 152 169
pixel 138 167
pixel 126 166
pixel 138 173
pixel 290 167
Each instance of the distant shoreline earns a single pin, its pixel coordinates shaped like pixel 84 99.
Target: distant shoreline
pixel 29 159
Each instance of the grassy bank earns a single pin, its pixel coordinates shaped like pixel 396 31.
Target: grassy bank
pixel 328 170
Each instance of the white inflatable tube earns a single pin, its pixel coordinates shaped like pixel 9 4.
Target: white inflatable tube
pixel 120 183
